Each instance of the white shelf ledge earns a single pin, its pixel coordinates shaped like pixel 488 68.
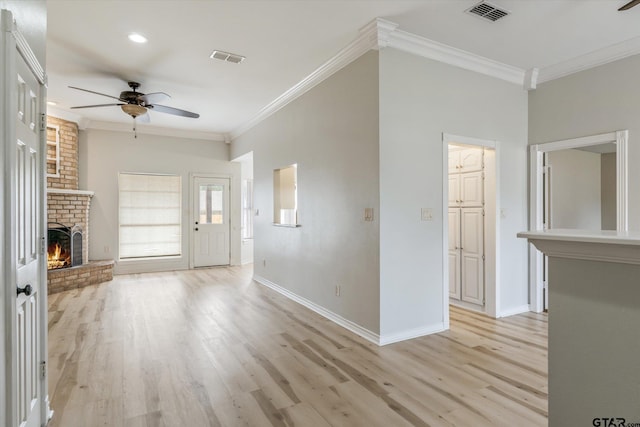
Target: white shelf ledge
pixel 605 246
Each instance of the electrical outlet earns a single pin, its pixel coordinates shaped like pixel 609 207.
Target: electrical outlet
pixel 337 290
pixel 427 214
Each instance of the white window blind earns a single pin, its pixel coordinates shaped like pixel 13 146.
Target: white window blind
pixel 150 215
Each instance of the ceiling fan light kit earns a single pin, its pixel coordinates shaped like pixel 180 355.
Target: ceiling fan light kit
pixel 137 104
pixel 133 110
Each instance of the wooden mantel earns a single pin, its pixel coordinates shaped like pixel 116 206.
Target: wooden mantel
pixel 594 325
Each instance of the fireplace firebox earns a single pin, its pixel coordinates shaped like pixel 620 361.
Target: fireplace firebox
pixel 64 247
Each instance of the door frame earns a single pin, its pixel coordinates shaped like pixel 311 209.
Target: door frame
pixel 12 43
pixel 536 205
pixel 492 288
pixel 192 214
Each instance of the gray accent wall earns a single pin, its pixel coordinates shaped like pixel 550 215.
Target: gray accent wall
pixel 600 100
pixel 331 133
pixel 419 100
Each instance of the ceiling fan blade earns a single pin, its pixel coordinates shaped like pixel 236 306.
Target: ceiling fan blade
pixel 144 118
pixel 174 111
pixel 97 93
pixel 97 105
pixel 152 98
pixel 630 5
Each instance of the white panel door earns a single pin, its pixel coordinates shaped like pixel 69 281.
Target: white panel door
pixel 211 225
pixel 27 175
pixel 471 189
pixel 471 160
pixel 454 190
pixel 472 254
pixel 454 253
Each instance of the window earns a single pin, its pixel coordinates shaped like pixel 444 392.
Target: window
pixel 211 204
pixel 150 215
pixel 247 209
pixel 285 196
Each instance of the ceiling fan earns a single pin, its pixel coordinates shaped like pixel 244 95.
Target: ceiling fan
pixel 630 5
pixel 137 104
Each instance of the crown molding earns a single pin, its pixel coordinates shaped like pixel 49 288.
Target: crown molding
pixel 366 40
pixel 379 34
pixel 155 130
pixel 431 49
pixel 590 60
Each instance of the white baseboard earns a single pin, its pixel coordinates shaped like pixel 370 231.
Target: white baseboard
pixel 411 333
pixel 515 310
pixel 336 318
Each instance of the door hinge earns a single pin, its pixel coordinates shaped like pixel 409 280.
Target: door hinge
pixel 43 243
pixel 483 257
pixel 482 212
pixel 43 122
pixel 43 366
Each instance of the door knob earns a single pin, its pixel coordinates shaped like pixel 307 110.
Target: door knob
pixel 26 290
pixel 196 228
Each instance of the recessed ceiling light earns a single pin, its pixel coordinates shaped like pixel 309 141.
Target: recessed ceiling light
pixel 52 103
pixel 137 38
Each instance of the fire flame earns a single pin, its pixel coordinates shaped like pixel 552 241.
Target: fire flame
pixel 57 257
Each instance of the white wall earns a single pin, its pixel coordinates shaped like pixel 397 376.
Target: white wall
pixel 419 100
pixel 331 132
pixel 591 102
pixel 575 189
pixel 103 154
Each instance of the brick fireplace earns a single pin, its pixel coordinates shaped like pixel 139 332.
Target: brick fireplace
pixel 69 207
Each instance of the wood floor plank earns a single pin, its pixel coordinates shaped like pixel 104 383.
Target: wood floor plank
pixel 211 347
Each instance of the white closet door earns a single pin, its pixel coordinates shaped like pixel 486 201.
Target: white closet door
pixel 454 253
pixel 471 160
pixel 472 252
pixel 471 189
pixel 454 189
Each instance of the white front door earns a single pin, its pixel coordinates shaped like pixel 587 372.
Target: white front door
pixel 210 221
pixel 24 234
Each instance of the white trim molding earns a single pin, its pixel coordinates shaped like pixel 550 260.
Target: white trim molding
pixel 536 158
pixel 156 130
pixel 412 333
pixel 431 49
pixel 603 246
pixel 590 60
pixel 379 34
pixel 515 310
pixel 366 40
pixel 335 318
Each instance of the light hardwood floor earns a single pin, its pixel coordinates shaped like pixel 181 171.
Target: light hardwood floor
pixel 212 348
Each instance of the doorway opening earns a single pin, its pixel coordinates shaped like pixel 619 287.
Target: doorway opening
pixel 578 183
pixel 470 224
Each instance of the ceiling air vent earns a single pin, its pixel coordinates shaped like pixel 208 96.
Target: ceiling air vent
pixel 226 56
pixel 488 11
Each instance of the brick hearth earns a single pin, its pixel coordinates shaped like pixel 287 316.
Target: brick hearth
pixel 94 272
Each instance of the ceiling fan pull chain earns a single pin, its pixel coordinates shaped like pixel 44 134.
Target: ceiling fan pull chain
pixel 135 132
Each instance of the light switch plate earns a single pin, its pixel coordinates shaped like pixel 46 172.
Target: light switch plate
pixel 368 214
pixel 427 214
